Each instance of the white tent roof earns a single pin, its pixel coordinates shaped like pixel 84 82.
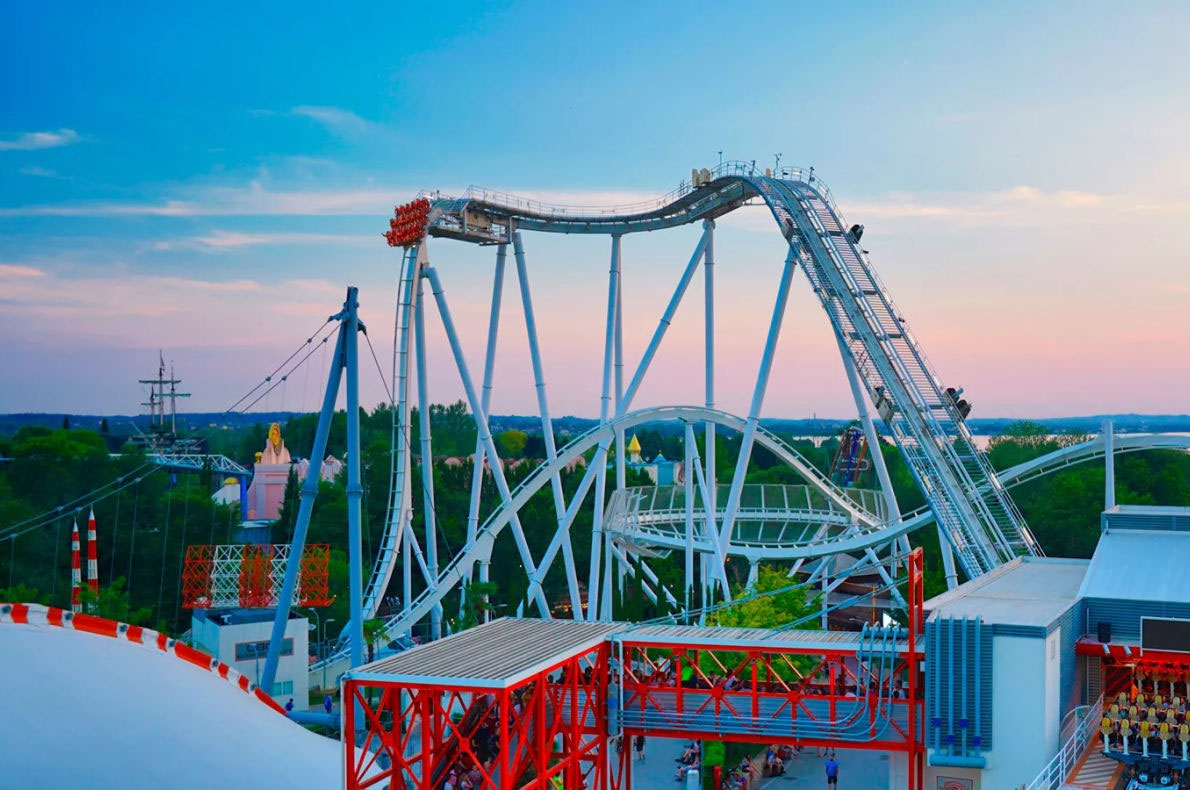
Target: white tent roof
pixel 91 711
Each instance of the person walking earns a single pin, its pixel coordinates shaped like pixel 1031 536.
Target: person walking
pixel 832 773
pixel 639 744
pixel 327 703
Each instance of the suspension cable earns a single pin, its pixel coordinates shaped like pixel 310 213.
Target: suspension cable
pixel 169 502
pixel 132 542
pixel 182 554
pixel 269 377
pixel 95 495
pixel 290 372
pixel 14 530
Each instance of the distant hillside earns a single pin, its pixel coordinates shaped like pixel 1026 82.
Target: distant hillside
pixel 122 424
pixel 125 425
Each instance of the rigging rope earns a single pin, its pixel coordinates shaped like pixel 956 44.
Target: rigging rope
pixel 182 553
pixel 111 571
pixel 132 543
pixel 12 531
pixel 169 502
pixel 54 567
pixel 269 377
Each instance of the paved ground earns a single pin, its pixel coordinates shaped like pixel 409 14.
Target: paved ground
pixel 858 769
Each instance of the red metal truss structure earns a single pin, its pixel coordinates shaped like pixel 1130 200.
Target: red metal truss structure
pixel 525 719
pixel 811 688
pixel 539 703
pixel 250 576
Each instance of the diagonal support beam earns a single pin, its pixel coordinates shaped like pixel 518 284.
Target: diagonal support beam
pixel 489 368
pixel 547 430
pixel 605 409
pixel 430 512
pixel 762 381
pixel 485 434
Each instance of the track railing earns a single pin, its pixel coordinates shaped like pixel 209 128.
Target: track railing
pixel 1054 775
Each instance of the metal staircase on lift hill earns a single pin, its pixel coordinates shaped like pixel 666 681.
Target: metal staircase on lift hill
pixel 982 523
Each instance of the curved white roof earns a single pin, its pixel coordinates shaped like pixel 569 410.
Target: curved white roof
pixel 1139 565
pixel 83 710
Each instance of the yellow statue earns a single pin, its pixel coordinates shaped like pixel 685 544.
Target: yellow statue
pixel 274 448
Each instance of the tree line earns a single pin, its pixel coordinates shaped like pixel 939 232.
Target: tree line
pixel 144 529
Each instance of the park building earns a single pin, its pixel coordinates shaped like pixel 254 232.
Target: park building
pixel 1029 663
pixel 240 639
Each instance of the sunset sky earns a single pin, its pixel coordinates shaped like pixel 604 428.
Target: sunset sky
pixel 208 178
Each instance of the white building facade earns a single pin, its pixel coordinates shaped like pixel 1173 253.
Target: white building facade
pixel 240 639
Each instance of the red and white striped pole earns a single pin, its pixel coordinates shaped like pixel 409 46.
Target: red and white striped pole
pixel 92 557
pixel 76 572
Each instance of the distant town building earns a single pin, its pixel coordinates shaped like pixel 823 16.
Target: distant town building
pixel 661 470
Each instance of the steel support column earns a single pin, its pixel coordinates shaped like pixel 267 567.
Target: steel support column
pixel 547 432
pixel 762 381
pixel 688 474
pixel 489 368
pixel 343 359
pixel 429 512
pixel 709 350
pixel 355 486
pixel 485 434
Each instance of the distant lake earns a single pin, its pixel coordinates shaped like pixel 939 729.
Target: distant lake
pixel 981 440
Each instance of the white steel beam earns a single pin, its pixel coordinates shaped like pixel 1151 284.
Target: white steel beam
pixel 762 381
pixel 547 431
pixel 481 422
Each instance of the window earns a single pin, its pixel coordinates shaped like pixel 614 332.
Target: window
pixel 247 651
pixel 283 689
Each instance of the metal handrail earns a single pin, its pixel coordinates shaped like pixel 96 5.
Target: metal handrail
pixel 570 211
pixel 1054 775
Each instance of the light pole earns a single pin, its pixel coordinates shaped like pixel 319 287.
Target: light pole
pixel 317 627
pixel 322 642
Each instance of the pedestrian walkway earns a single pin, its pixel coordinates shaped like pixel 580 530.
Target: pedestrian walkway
pixel 858 770
pixel 1095 771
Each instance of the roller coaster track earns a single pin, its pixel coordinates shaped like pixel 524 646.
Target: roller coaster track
pixel 460 567
pixel 1089 450
pixel 1064 458
pixel 964 495
pixel 979 519
pixel 771 520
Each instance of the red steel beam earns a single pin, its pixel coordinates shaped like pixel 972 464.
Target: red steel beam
pixel 568 702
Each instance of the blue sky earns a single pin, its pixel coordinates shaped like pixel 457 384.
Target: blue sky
pixel 208 178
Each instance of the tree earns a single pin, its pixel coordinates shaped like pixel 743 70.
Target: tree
pixel 512 443
pixel 112 604
pixel 22 594
pixel 768 605
pixel 373 632
pixel 478 602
